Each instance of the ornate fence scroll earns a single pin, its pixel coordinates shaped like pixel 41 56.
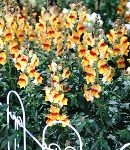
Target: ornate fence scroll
pixel 126 145
pixel 20 122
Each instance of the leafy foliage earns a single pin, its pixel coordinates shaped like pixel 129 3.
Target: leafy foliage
pixel 104 121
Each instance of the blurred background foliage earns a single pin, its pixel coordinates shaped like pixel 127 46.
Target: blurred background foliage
pixel 106 8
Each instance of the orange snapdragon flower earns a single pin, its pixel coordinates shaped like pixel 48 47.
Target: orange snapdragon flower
pixel 82 50
pixel 94 54
pixel 73 16
pixel 20 18
pixel 111 36
pixel 23 80
pixel 70 42
pixel 31 71
pixel 121 63
pixel 63 118
pixel 81 28
pixel 8 35
pixel 1 23
pixel 120 9
pixel 88 96
pixel 107 76
pixel 24 12
pixel 20 36
pixel 82 16
pixel 90 77
pixel 127 17
pixel 58 38
pixel 96 88
pixel 11 23
pixel 34 60
pixel 59 49
pixel 57 98
pixel 87 39
pixel 102 66
pixel 124 45
pixel 54 109
pixel 46 45
pixel 24 60
pixel 3 58
pixel 119 33
pixel 41 36
pixel 105 53
pixel 116 49
pixel 20 22
pixel 18 66
pixel 54 97
pixel 51 32
pixel 53 66
pixel 38 78
pixel 13 47
pixel 102 45
pixel 21 61
pixel 27 27
pixel 54 114
pixel 41 26
pixel 63 101
pixel 55 78
pixel 123 2
pixel 31 35
pixel 75 37
pixel 68 23
pixel 66 73
pixel 1 44
pixel 85 62
pixel 49 96
pixel 53 20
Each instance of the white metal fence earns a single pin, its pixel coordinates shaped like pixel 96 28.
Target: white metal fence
pixel 19 122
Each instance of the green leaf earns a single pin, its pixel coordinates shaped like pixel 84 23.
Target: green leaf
pixel 4 143
pixel 105 145
pixel 94 126
pixel 113 102
pixel 110 136
pixel 81 126
pixel 95 145
pixel 12 137
pixel 87 127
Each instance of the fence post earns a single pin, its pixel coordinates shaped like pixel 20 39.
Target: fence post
pixel 18 121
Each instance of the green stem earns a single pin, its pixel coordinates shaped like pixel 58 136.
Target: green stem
pixel 8 61
pixel 47 3
pixel 101 116
pixel 97 81
pixel 31 91
pixel 97 73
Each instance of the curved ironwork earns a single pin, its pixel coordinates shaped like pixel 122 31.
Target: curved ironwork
pixel 57 122
pixel 20 123
pixel 17 119
pixel 126 145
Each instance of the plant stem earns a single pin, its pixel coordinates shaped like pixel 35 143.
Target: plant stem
pixel 101 117
pixel 8 61
pixel 97 73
